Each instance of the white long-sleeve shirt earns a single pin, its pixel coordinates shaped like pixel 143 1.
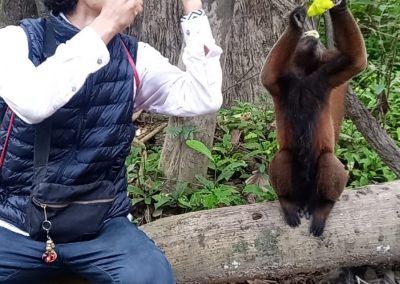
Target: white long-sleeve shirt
pixel 35 93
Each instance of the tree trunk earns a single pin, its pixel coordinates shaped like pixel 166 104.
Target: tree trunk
pixel 40 8
pixel 158 25
pixel 11 11
pixel 253 242
pixel 255 27
pixel 178 162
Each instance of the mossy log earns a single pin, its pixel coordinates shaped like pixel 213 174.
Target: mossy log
pixel 252 241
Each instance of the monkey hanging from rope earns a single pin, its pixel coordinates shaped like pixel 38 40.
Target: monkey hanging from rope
pixel 308 85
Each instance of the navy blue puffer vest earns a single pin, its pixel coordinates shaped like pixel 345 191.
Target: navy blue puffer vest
pixel 91 135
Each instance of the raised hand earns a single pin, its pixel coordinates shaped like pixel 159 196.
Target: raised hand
pixel 115 16
pixel 298 17
pixel 191 5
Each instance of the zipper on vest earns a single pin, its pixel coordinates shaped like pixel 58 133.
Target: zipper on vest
pixel 62 205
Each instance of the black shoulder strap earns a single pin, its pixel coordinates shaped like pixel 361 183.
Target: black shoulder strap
pixel 50 43
pixel 43 130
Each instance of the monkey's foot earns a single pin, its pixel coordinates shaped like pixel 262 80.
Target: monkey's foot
pixel 317 227
pixel 292 219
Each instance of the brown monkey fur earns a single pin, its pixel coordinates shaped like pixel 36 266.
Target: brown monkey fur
pixel 308 86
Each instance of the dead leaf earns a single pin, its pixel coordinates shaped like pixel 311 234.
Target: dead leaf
pixel 260 179
pixel 147 215
pixel 235 137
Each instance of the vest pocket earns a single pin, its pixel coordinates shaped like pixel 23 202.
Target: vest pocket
pixel 76 213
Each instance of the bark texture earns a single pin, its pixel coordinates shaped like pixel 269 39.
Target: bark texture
pixel 252 241
pixel 254 28
pixel 11 11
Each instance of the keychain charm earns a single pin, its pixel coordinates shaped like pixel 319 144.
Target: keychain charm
pixel 50 255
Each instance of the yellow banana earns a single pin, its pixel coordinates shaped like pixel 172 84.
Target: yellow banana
pixel 318 7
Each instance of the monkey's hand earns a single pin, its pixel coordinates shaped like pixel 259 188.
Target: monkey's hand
pixel 298 17
pixel 339 5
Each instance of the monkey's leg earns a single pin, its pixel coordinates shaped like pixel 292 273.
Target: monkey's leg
pixel 280 173
pixel 332 179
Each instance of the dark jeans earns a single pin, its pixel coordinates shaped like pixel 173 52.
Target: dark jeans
pixel 120 254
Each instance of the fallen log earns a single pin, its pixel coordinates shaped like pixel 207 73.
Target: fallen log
pixel 248 242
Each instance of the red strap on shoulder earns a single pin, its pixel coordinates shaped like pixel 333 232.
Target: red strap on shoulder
pixel 5 145
pixel 132 63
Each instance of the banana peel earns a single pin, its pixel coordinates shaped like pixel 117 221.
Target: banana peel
pixel 318 7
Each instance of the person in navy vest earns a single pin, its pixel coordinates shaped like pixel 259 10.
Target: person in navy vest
pixel 69 85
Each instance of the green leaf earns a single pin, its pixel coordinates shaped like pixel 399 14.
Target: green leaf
pixel 161 199
pixel 157 212
pixel 227 141
pixel 147 200
pixel 225 175
pixel 205 182
pixel 136 201
pixel 135 190
pixel 199 147
pixel 184 202
pixel 252 146
pixel 379 88
pixel 250 136
pixel 209 201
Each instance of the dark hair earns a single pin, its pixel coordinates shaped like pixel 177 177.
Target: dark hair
pixel 60 6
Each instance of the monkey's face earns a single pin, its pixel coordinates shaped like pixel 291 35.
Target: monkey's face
pixel 308 54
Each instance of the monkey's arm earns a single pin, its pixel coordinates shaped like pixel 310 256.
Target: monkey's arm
pixel 280 54
pixel 351 56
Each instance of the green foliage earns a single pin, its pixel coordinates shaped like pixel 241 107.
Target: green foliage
pixel 198 146
pixel 379 21
pixel 254 142
pixel 211 195
pixel 363 164
pixel 142 164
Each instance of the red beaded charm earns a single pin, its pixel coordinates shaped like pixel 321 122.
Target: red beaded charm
pixel 49 256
